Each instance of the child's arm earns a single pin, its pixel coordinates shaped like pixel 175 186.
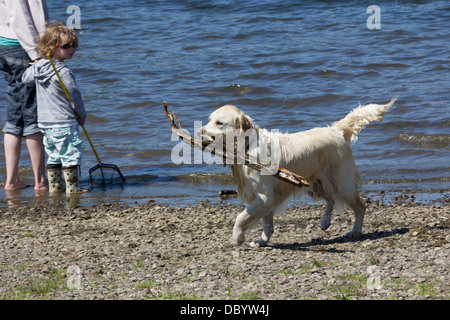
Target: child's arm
pixel 29 75
pixel 75 96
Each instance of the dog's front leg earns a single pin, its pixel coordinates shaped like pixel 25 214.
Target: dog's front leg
pixel 249 217
pixel 267 231
pixel 238 230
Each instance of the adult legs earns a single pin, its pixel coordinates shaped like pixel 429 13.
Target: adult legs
pixel 13 144
pixel 21 120
pixel 35 146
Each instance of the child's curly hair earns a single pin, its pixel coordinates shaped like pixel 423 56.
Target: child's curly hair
pixel 52 37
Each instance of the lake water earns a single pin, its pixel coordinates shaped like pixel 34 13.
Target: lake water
pixel 291 65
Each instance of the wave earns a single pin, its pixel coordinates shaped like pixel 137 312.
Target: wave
pixel 426 141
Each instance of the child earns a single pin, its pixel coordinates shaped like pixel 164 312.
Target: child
pixel 58 118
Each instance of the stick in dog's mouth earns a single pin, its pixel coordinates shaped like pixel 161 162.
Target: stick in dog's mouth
pixel 281 173
pixel 206 138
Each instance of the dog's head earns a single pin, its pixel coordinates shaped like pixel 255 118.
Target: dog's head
pixel 225 119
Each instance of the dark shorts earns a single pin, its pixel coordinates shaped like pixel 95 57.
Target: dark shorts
pixel 20 99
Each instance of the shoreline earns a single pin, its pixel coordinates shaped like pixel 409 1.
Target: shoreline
pixel 155 251
pixel 188 192
pixel 135 195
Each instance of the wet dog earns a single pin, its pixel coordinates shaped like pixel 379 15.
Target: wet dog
pixel 321 155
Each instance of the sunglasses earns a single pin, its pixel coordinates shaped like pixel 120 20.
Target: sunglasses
pixel 68 46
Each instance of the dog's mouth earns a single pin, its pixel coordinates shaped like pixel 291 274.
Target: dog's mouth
pixel 206 137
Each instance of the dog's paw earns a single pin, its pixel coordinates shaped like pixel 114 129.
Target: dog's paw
pixel 354 235
pixel 238 238
pixel 258 243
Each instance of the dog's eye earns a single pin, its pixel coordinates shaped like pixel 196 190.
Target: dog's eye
pixel 219 124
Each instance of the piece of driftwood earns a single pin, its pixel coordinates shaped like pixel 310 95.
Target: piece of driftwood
pixel 280 173
pixel 226 193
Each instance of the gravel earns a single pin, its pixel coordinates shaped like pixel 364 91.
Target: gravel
pixel 155 251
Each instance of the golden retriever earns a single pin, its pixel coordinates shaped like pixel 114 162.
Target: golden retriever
pixel 321 155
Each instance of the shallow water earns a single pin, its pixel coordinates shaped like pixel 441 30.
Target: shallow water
pixel 291 66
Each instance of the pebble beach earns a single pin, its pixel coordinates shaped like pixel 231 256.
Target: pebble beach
pixel 157 252
pixel 291 66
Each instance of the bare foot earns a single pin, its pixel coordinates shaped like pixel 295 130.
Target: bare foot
pixel 15 186
pixel 41 187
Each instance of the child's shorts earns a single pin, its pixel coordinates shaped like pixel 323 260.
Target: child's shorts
pixel 63 145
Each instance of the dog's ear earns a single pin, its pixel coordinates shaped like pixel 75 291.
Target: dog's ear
pixel 243 123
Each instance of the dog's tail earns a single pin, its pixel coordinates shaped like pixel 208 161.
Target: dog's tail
pixel 359 117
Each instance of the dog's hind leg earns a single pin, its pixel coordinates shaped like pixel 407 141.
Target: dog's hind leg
pixel 325 221
pixel 317 191
pixel 267 231
pixel 359 209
